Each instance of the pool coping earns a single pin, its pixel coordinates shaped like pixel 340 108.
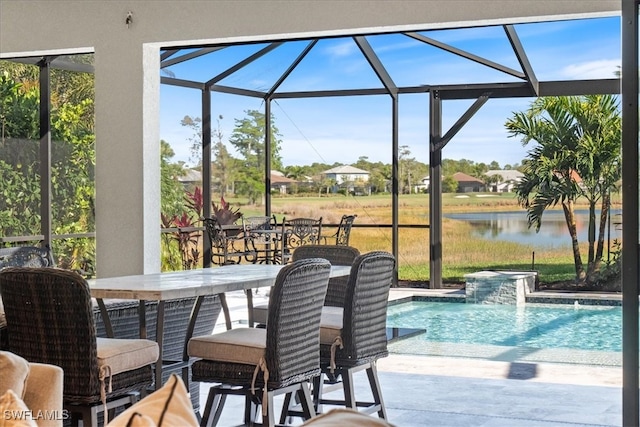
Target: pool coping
pixel 400 295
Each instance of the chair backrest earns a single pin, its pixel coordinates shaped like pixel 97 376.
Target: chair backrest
pixel 293 332
pixel 214 232
pixel 26 256
pixel 302 231
pixel 365 311
pixel 336 255
pixel 344 229
pixel 254 224
pixel 216 240
pixel 259 223
pixel 50 320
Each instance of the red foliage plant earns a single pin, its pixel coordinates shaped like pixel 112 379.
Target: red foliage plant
pixel 225 214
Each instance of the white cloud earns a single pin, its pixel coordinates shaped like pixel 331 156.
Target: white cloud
pixel 603 68
pixel 339 50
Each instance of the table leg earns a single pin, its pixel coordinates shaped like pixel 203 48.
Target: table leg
pixel 193 317
pixel 159 340
pixel 225 310
pixel 142 318
pixel 249 293
pixel 106 320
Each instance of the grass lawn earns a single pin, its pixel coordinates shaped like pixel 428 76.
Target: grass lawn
pixel 462 252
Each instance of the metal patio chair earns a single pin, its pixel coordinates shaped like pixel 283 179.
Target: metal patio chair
pixel 298 232
pixel 229 244
pixel 263 236
pixel 341 236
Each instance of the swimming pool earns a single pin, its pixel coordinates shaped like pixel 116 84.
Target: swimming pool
pixel 534 332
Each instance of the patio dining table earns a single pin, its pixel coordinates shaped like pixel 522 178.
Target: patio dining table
pixel 197 283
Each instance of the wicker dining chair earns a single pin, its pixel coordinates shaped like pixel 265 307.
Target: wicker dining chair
pixel 263 363
pixel 125 321
pixel 50 320
pixel 21 256
pixel 336 255
pixel 356 340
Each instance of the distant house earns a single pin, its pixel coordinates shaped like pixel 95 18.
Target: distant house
pixel 506 183
pixel 468 183
pixel 354 180
pixel 342 174
pixel 281 183
pixel 192 177
pixel 424 186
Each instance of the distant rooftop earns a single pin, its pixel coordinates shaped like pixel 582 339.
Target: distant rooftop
pixel 507 175
pixel 345 169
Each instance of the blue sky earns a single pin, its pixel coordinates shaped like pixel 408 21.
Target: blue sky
pixel 342 129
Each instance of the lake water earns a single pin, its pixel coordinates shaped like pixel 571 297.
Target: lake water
pixel 512 226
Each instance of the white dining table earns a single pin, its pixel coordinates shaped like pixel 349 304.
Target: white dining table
pixel 197 283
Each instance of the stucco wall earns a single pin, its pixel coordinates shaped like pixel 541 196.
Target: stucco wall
pixel 127 77
pixel 61 24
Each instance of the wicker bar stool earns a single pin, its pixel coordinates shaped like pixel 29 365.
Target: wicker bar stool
pixel 262 363
pixel 336 255
pixel 50 320
pixel 354 341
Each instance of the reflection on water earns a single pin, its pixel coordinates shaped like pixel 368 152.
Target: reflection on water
pixel 512 227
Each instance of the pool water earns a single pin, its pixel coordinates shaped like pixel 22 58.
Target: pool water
pixel 572 334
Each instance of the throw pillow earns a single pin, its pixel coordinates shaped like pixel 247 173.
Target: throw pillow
pixel 346 418
pixel 170 406
pixel 14 371
pixel 13 411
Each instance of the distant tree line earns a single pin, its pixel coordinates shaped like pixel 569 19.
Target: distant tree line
pixel 243 175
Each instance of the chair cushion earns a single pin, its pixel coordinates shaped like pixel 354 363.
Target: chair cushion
pixel 260 313
pixel 330 324
pixel 331 320
pixel 14 372
pixel 169 406
pixel 122 355
pixel 14 412
pixel 240 345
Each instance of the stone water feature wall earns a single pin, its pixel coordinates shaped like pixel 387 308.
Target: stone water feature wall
pixel 499 287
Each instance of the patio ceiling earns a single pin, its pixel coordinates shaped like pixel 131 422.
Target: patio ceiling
pixel 277 69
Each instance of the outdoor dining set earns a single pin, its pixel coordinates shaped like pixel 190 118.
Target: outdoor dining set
pixel 119 338
pixel 261 239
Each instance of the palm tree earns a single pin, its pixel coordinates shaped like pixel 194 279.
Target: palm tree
pixel 577 155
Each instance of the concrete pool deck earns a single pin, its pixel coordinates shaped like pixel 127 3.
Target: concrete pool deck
pixel 452 391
